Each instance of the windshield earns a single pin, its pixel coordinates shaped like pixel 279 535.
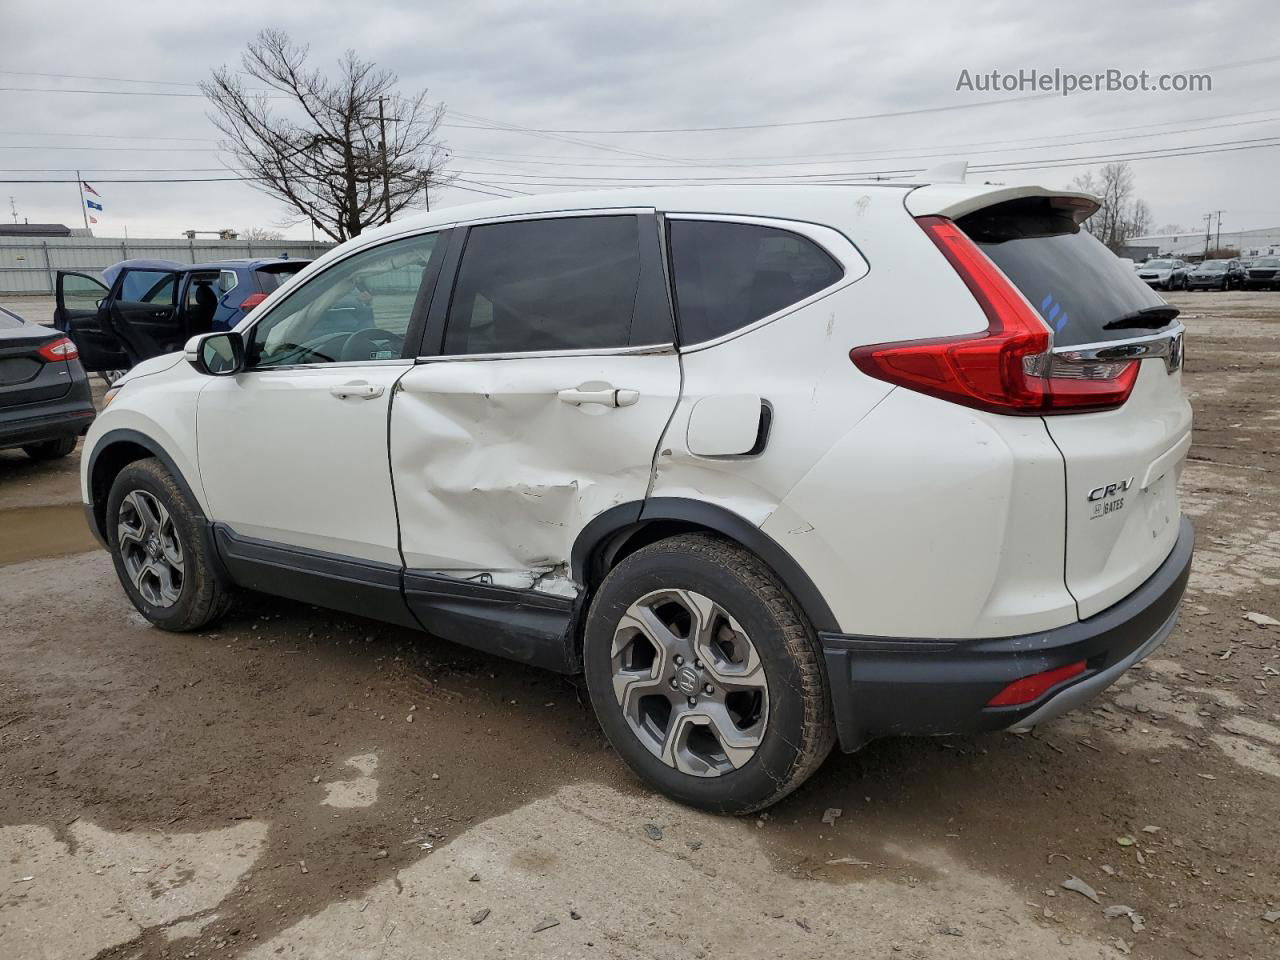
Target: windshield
pixel 1158 264
pixel 1212 266
pixel 1079 286
pixel 1267 262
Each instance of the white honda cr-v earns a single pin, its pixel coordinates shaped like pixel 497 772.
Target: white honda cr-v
pixel 773 467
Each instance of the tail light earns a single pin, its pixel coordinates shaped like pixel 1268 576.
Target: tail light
pixel 1008 368
pixel 60 349
pixel 1032 688
pixel 252 300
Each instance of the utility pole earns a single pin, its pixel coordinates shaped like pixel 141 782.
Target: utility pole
pixel 386 174
pixel 13 208
pixel 84 211
pixel 426 188
pixel 1218 242
pixel 1208 232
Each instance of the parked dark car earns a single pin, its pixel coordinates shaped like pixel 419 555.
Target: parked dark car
pixel 1216 275
pixel 144 308
pixel 1263 273
pixel 45 402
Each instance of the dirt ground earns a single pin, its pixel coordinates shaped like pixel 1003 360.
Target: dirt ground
pixel 297 784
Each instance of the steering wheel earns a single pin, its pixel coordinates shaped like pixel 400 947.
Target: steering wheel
pixel 372 344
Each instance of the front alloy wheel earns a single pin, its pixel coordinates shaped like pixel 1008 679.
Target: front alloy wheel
pixel 150 548
pixel 689 682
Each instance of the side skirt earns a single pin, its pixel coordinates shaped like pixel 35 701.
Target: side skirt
pixel 526 625
pixel 530 626
pixel 362 587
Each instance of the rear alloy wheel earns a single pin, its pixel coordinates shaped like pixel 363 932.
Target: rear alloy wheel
pixel 161 549
pixel 706 676
pixel 689 683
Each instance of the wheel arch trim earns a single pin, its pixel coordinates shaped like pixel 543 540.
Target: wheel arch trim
pixel 611 529
pixel 95 508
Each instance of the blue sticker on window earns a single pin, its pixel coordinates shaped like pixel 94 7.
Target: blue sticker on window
pixel 1053 313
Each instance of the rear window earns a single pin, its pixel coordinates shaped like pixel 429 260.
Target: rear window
pixel 277 275
pixel 1084 292
pixel 728 275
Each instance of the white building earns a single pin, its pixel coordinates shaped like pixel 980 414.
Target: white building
pixel 1250 243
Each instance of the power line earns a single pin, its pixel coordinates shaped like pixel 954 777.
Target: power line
pixel 942 108
pixel 100 136
pixel 79 76
pixel 876 154
pixel 1228 146
pixel 815 176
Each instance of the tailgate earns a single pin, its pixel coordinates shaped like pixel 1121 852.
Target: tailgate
pixel 1121 464
pixel 1122 469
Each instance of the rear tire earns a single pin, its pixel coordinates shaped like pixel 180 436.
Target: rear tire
pixel 50 449
pixel 744 716
pixel 161 550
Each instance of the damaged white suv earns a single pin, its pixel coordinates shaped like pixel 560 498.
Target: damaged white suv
pixel 772 466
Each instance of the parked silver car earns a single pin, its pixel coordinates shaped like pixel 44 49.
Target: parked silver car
pixel 1165 274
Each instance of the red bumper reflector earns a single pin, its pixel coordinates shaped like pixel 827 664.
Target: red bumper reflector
pixel 252 300
pixel 1031 688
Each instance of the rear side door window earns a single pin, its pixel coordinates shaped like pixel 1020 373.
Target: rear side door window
pixel 727 275
pixel 555 284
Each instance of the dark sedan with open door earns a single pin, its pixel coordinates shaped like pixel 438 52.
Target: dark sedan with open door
pixel 45 402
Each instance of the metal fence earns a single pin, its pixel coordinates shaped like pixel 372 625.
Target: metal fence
pixel 30 266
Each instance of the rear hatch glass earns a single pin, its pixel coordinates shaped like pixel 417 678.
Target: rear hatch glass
pixel 276 275
pixel 1122 465
pixel 1084 292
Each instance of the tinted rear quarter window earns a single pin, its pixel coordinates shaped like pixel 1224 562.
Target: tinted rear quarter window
pixel 728 275
pixel 1083 290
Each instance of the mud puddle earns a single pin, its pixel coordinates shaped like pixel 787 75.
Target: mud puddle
pixel 28 533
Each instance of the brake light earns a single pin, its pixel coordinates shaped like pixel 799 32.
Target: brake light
pixel 1008 368
pixel 252 300
pixel 1032 688
pixel 60 349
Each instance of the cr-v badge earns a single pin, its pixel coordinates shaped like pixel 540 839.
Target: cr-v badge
pixel 1109 497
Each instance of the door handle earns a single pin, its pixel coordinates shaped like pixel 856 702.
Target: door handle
pixel 606 397
pixel 356 388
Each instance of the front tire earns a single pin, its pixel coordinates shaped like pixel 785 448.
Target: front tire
pixel 706 676
pixel 161 551
pixel 50 449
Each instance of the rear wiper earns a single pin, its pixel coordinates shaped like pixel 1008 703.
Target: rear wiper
pixel 1150 317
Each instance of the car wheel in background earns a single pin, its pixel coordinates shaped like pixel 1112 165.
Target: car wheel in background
pixel 161 552
pixel 50 449
pixel 111 376
pixel 706 676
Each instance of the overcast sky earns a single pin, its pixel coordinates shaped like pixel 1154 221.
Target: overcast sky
pixel 610 66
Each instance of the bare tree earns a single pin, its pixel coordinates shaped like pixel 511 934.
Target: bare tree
pixel 260 233
pixel 1115 222
pixel 322 153
pixel 1139 222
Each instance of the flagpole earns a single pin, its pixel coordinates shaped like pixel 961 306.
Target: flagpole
pixel 84 211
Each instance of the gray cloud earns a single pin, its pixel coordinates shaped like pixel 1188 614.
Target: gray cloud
pixel 634 65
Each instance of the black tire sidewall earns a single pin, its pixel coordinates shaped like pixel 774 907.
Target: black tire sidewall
pixel 740 790
pixel 50 449
pixel 190 610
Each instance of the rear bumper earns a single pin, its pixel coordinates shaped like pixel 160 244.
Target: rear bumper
pixel 69 415
pixel 882 686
